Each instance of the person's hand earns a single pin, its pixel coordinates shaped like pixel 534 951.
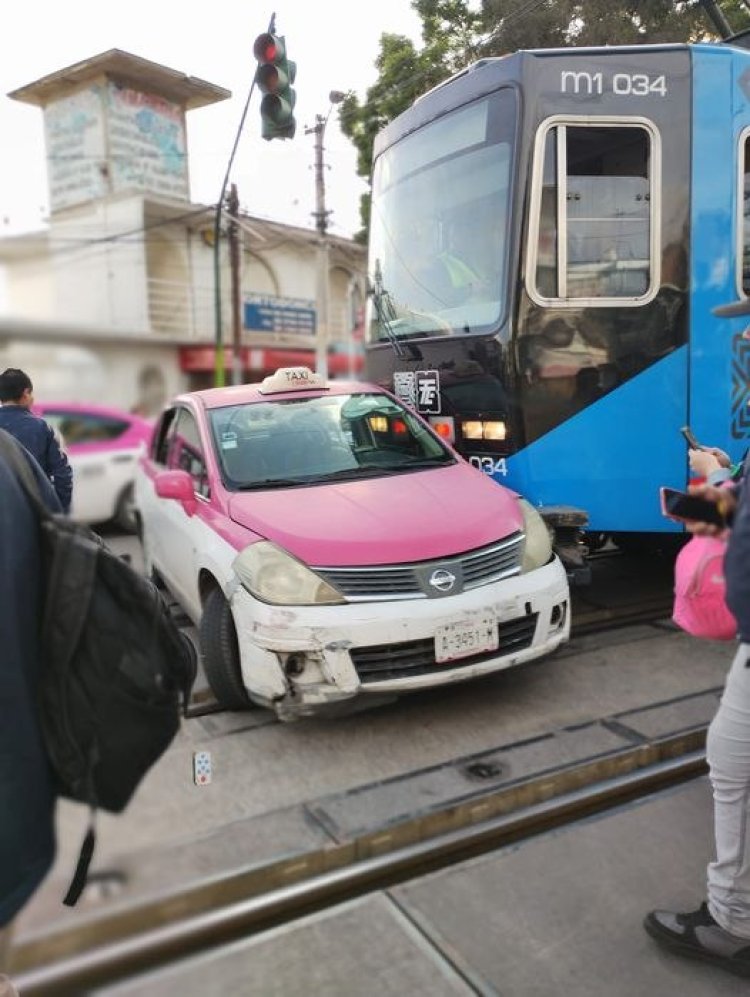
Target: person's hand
pixel 703 462
pixel 724 498
pixel 723 458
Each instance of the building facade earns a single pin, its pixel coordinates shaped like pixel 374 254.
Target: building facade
pixel 116 300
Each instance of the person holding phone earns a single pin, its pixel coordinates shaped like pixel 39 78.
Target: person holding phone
pixel 718 932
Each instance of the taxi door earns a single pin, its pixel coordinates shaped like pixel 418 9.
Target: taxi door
pixel 179 532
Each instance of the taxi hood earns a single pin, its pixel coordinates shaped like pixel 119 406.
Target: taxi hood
pixel 412 516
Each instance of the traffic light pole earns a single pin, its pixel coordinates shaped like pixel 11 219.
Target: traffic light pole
pixel 219 378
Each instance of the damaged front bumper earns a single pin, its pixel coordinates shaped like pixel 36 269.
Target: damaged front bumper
pixel 300 660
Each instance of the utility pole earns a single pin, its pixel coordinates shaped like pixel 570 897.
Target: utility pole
pixel 322 255
pixel 233 210
pixel 717 17
pixel 322 334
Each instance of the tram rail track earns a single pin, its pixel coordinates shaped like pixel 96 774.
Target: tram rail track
pixel 216 913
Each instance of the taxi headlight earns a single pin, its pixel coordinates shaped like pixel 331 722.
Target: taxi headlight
pixel 272 575
pixel 537 549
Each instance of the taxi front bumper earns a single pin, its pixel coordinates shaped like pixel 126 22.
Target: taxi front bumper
pixel 297 660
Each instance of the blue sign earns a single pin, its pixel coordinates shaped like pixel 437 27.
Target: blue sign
pixel 269 314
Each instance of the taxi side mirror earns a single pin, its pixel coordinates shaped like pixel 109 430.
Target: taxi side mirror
pixel 177 485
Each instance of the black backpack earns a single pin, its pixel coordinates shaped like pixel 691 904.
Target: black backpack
pixel 115 666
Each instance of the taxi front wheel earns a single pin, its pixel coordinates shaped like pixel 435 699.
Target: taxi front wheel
pixel 220 653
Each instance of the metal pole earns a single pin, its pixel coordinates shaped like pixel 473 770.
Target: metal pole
pixel 321 342
pixel 233 207
pixel 218 332
pixel 716 15
pixel 321 224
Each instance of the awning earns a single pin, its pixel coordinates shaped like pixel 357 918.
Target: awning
pixel 199 359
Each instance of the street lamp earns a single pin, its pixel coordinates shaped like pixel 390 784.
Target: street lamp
pixel 321 224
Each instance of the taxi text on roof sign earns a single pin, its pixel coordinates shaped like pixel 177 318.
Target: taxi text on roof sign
pixel 291 379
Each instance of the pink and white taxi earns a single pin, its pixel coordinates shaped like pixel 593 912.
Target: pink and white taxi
pixel 329 544
pixel 103 446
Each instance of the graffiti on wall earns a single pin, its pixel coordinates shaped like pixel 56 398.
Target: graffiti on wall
pixel 147 143
pixel 74 131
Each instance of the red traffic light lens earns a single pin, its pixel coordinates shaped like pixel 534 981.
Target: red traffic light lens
pixel 268 48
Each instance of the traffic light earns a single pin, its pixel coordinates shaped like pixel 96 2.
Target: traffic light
pixel 274 76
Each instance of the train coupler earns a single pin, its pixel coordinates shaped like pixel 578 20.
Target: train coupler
pixel 567 524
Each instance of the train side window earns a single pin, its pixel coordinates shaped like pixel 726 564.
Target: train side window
pixel 594 214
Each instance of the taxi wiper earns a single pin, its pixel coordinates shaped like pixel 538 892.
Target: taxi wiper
pixel 422 462
pixel 272 483
pixel 345 473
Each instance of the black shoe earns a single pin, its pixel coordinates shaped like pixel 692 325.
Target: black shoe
pixel 698 936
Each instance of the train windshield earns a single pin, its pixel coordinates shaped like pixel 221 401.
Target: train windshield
pixel 440 224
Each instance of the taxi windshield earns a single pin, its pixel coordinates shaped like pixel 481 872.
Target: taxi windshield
pixel 301 441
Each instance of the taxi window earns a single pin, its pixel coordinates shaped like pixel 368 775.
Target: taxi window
pixel 83 427
pixel 311 440
pixel 163 436
pixel 186 451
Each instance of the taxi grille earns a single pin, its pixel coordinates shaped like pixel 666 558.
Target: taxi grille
pixel 408 581
pixel 384 662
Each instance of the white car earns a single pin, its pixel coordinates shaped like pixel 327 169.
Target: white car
pixel 103 446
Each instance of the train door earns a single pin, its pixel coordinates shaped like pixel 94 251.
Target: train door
pixel 603 381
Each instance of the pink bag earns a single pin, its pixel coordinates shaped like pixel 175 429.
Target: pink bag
pixel 699 591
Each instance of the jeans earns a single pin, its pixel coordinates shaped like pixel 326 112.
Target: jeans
pixel 728 753
pixel 6 987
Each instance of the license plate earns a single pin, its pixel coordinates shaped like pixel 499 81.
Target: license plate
pixel 472 635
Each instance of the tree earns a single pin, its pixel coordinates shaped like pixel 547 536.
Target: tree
pixel 457 32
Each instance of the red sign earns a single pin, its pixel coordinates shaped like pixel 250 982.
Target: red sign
pixel 199 359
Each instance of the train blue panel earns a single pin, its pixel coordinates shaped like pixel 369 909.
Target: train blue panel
pixel 618 482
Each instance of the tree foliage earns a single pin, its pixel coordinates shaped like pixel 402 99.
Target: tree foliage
pixel 457 32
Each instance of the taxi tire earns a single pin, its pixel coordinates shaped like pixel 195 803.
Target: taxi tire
pixel 220 653
pixel 125 512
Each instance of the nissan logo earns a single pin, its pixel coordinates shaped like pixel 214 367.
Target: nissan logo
pixel 442 580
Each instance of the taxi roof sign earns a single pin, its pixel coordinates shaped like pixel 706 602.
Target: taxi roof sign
pixel 291 379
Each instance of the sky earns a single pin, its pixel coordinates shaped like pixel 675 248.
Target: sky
pixel 333 42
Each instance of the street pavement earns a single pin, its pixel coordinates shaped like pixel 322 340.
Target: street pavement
pixel 268 778
pixel 557 914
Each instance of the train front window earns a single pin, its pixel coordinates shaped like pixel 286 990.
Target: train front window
pixel 440 223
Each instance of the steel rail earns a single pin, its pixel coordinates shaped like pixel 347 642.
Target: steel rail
pixel 123 959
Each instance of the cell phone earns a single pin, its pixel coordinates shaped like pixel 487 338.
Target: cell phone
pixel 684 507
pixel 690 439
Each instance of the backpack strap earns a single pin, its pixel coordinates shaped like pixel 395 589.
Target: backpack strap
pixel 82 865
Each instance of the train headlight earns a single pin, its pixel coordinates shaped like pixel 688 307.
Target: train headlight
pixel 494 430
pixel 484 429
pixel 537 550
pixel 272 575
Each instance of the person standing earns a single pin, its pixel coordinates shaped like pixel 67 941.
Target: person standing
pixel 27 796
pixel 718 932
pixel 16 418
